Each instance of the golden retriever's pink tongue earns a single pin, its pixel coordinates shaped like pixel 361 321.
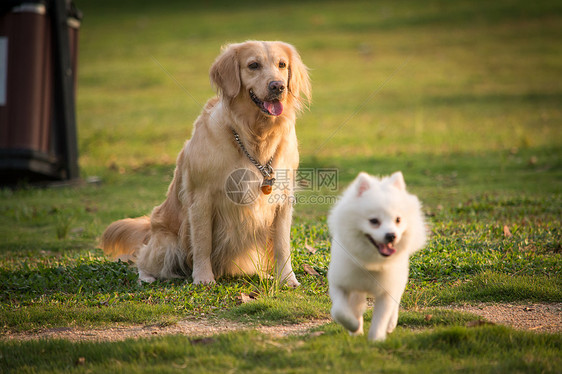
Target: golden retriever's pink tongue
pixel 275 108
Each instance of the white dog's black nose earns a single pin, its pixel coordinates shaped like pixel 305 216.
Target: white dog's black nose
pixel 390 237
pixel 276 87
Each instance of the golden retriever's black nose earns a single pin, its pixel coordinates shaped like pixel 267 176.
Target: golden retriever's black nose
pixel 276 87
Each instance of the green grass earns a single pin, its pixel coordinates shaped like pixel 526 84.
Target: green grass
pixel 463 97
pixel 441 349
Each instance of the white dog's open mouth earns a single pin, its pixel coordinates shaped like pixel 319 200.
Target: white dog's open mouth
pixel 273 108
pixel 385 249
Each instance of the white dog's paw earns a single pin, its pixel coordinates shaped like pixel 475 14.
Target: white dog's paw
pixel 377 336
pixel 358 332
pixel 347 320
pixel 393 322
pixel 391 327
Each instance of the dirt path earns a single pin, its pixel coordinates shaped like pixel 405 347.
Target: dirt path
pixel 533 317
pixel 196 328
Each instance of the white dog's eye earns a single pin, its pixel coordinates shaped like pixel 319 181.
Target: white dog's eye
pixel 282 65
pixel 398 219
pixel 254 66
pixel 375 221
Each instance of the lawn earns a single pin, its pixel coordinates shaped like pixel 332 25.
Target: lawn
pixel 463 97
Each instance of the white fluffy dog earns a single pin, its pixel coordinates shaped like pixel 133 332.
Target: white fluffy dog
pixel 375 226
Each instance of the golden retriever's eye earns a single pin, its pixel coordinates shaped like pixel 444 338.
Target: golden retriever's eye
pixel 398 219
pixel 254 66
pixel 282 65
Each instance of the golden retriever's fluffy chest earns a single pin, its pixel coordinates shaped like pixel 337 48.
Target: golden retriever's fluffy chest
pixel 242 234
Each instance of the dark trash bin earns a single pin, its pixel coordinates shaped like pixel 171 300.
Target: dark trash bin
pixel 38 60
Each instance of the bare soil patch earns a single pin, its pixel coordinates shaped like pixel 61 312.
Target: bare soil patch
pixel 196 328
pixel 532 317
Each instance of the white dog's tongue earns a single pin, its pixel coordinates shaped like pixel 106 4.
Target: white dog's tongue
pixel 275 108
pixel 385 249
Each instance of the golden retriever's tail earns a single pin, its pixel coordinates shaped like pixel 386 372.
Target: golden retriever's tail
pixel 122 239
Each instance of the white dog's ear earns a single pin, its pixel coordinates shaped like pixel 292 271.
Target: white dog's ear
pixel 362 183
pixel 225 72
pixel 397 180
pixel 299 81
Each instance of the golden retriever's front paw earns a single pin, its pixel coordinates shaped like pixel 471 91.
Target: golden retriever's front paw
pixel 203 274
pixel 204 279
pixel 145 277
pixel 292 281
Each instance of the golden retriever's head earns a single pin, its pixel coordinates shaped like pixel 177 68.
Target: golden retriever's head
pixel 268 77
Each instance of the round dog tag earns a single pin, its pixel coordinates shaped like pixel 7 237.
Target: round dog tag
pixel 267 186
pixel 266 189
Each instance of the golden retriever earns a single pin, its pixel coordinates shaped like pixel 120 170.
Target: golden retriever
pixel 199 229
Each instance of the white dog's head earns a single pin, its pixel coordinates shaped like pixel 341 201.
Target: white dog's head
pixel 384 219
pixel 380 214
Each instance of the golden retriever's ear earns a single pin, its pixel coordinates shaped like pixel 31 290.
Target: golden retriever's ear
pixel 225 72
pixel 299 82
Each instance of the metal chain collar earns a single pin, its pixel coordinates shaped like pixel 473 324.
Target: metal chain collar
pixel 265 170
